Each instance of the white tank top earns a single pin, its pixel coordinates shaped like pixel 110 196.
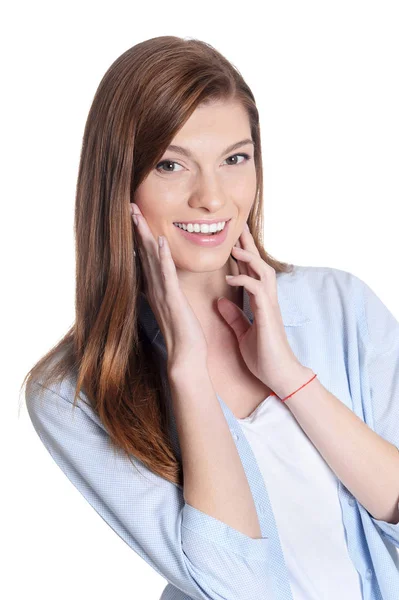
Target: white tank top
pixel 303 493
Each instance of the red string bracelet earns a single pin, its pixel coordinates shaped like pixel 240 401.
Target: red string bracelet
pixel 302 386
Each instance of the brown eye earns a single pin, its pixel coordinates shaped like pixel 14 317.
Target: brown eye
pixel 246 158
pixel 169 163
pixel 166 162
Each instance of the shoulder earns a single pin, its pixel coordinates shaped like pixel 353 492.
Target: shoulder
pixel 322 281
pixel 315 277
pixel 323 294
pixel 42 399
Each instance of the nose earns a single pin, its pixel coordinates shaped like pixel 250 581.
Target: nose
pixel 209 195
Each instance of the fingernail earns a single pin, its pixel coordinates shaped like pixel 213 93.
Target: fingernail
pixel 135 219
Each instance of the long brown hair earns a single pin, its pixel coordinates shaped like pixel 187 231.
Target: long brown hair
pixel 142 101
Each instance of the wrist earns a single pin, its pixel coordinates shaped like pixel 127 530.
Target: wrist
pixel 294 379
pixel 187 372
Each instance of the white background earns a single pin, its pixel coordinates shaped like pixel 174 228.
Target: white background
pixel 325 78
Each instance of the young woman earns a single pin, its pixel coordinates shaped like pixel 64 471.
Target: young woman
pixel 241 435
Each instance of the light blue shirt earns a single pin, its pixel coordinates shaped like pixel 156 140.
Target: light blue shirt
pixel 337 326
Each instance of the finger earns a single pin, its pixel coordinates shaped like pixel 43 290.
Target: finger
pixel 245 244
pixel 158 259
pixel 242 267
pixel 167 265
pixel 247 241
pixel 143 229
pixel 148 246
pixel 260 303
pixel 143 238
pixel 250 284
pixel 254 264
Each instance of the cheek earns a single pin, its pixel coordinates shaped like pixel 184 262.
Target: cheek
pixel 244 183
pixel 156 202
pixel 244 195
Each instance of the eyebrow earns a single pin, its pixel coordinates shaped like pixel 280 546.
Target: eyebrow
pixel 185 152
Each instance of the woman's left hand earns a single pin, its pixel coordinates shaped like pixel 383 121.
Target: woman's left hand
pixel 263 344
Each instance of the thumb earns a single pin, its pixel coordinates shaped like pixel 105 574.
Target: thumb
pixel 234 316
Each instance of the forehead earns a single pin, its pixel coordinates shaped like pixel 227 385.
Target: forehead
pixel 218 127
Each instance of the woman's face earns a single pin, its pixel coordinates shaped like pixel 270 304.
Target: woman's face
pixel 209 183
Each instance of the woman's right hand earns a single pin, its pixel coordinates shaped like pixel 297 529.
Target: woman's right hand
pixel 184 337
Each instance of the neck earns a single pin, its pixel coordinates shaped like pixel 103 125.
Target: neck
pixel 205 307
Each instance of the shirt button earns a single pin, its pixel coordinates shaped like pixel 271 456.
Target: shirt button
pixel 369 574
pixel 351 501
pixel 233 433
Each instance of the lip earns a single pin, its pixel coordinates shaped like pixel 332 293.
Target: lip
pixel 209 241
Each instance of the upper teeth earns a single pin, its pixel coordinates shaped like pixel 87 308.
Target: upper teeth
pixel 202 228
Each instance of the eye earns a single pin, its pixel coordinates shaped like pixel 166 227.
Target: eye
pixel 166 162
pixel 246 157
pixel 172 162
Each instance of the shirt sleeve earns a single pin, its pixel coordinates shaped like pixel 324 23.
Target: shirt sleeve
pixel 197 554
pixel 382 369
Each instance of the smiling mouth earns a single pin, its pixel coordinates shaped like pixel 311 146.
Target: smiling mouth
pixel 208 233
pixel 199 232
pixel 206 240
